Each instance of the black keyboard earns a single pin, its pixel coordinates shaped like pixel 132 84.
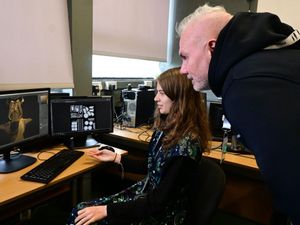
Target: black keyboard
pixel 52 167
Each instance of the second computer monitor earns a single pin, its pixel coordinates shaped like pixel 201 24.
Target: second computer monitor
pixel 79 118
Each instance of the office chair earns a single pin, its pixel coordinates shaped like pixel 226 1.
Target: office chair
pixel 206 191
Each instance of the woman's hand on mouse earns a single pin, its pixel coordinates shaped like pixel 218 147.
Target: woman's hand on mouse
pixel 102 155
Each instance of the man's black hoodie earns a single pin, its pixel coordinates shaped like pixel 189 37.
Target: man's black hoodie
pixel 260 92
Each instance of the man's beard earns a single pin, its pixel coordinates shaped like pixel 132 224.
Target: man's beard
pixel 200 86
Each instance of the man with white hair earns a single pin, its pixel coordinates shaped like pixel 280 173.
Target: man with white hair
pixel 252 61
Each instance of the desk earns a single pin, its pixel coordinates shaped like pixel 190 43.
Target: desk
pixel 16 195
pixel 140 137
pixel 245 193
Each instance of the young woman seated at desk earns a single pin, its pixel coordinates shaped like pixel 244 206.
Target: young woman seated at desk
pixel 181 135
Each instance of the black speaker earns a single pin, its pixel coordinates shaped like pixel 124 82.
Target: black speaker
pixel 138 106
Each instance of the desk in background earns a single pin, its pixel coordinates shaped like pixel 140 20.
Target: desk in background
pixel 245 192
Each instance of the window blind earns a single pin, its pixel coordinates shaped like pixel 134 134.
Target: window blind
pixel 131 28
pixel 35 44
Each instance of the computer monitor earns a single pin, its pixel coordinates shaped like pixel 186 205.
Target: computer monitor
pixel 77 119
pixel 54 95
pixel 23 118
pixel 216 114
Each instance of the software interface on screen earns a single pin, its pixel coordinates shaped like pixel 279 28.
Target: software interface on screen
pixel 79 117
pixel 23 118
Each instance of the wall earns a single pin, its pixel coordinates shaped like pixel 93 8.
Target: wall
pixel 80 12
pixel 288 11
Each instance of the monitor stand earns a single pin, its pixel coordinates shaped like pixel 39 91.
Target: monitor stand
pixel 82 142
pixel 14 163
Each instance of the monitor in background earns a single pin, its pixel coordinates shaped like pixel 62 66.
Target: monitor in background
pixel 77 119
pixel 54 95
pixel 23 118
pixel 219 124
pixel 216 120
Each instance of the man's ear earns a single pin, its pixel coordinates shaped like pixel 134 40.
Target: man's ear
pixel 212 44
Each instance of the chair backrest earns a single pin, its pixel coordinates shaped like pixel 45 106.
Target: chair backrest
pixel 206 191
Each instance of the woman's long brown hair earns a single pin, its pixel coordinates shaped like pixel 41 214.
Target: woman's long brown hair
pixel 188 113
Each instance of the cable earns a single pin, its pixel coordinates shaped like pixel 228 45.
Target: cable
pixel 249 5
pixel 218 147
pixel 41 152
pixel 142 133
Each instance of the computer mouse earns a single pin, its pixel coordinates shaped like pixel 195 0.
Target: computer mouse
pixel 107 148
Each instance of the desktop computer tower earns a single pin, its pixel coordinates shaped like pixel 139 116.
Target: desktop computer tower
pixel 138 107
